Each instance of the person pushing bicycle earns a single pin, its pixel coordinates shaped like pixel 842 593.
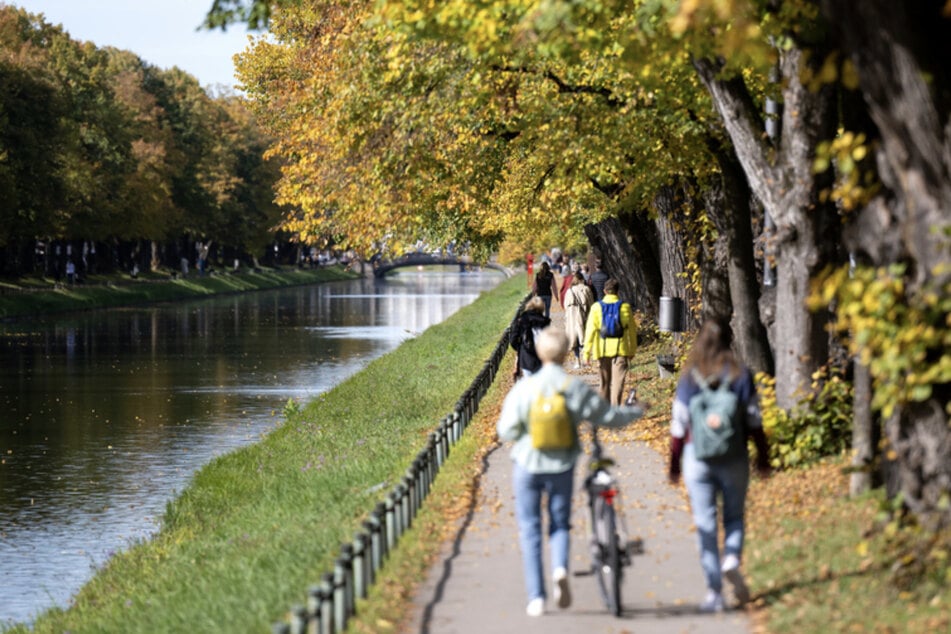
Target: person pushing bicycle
pixel 541 414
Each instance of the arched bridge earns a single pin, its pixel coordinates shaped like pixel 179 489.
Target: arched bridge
pixel 382 267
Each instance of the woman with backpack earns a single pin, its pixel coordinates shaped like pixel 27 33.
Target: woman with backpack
pixel 528 324
pixel 540 416
pixel 715 411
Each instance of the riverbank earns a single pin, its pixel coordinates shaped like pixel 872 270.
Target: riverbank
pixel 256 527
pixel 33 297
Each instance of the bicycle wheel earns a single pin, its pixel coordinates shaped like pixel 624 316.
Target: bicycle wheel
pixel 608 569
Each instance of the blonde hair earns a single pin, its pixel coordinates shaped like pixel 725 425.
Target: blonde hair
pixel 551 345
pixel 536 304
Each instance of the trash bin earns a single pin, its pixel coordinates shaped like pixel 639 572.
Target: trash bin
pixel 671 317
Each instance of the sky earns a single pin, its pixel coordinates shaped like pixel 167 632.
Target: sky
pixel 161 32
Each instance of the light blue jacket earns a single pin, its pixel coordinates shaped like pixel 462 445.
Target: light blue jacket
pixel 581 400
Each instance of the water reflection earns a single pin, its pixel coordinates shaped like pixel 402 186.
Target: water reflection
pixel 104 416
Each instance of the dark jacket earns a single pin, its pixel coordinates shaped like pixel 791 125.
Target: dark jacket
pixel 523 339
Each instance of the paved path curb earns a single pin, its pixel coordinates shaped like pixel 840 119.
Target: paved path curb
pixel 476 586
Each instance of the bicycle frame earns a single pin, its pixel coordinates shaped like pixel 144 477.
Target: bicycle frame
pixel 609 553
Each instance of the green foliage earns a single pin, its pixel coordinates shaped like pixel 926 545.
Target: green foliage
pixel 903 337
pixel 96 144
pixel 820 425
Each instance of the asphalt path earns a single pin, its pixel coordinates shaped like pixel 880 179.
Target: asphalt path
pixel 476 586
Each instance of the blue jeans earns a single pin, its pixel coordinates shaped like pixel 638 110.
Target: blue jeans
pixel 704 481
pixel 528 499
pixel 547 300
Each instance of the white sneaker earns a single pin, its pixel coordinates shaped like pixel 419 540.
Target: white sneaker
pixel 713 602
pixel 577 365
pixel 536 607
pixel 562 589
pixel 731 570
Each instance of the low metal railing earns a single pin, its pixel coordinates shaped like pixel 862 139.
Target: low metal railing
pixel 332 602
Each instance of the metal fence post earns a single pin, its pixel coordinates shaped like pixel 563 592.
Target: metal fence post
pixel 339 577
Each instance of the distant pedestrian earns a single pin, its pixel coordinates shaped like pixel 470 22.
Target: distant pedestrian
pixel 577 303
pixel 709 445
pixel 597 280
pixel 529 323
pixel 70 272
pixel 544 463
pixel 545 286
pixel 611 337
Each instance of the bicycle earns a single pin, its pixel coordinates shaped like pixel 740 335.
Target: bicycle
pixel 610 551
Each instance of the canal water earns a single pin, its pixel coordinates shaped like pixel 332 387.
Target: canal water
pixel 105 416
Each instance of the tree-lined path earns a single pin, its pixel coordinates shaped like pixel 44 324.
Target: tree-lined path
pixel 476 584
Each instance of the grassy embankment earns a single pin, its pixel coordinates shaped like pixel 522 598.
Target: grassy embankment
pixel 256 527
pixel 30 297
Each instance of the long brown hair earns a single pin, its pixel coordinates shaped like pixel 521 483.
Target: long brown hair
pixel 712 354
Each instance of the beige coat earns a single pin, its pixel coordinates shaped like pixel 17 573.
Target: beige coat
pixel 578 300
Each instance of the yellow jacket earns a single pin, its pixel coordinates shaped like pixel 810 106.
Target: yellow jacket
pixel 595 347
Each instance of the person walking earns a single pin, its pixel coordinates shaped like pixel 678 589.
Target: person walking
pixel 544 463
pixel 529 323
pixel 577 303
pixel 715 410
pixel 611 337
pixel 597 280
pixel 545 286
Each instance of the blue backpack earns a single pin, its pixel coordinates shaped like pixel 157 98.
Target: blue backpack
pixel 714 428
pixel 611 327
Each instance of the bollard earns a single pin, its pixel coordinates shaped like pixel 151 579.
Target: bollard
pixel 339 577
pixel 399 499
pixel 346 560
pixel 441 444
pixel 360 565
pixel 327 604
pixel 372 524
pixel 313 606
pixel 298 620
pixel 390 522
pixel 412 502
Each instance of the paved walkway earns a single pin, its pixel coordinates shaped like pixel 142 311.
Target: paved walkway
pixel 476 587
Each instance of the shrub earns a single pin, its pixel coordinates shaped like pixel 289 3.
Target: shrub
pixel 819 425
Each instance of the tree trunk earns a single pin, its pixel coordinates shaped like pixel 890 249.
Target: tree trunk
pixel 899 51
pixel 864 438
pixel 669 202
pixel 156 260
pixel 730 213
pixel 611 243
pixel 787 188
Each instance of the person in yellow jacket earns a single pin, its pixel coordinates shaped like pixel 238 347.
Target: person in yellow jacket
pixel 613 353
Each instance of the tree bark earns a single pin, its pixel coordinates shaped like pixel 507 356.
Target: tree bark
pixel 805 228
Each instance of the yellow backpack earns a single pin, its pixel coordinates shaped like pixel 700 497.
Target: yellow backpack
pixel 549 422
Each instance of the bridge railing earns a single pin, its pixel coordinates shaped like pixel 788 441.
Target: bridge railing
pixel 331 603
